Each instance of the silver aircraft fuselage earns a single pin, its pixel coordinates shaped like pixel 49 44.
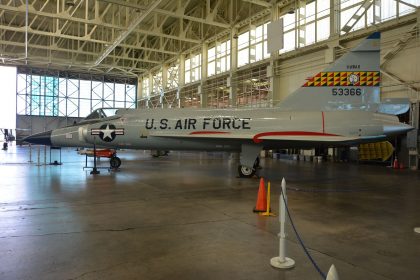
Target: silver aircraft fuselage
pixel 227 130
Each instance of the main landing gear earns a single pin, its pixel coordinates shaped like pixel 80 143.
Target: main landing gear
pixel 246 172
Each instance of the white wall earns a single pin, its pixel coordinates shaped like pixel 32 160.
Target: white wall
pixel 8 97
pixel 405 65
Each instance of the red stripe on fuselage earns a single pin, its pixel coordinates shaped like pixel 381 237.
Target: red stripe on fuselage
pixel 257 137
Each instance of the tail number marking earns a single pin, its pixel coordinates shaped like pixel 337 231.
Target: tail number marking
pixel 346 91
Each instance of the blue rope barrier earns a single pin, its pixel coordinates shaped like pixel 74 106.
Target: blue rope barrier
pixel 300 239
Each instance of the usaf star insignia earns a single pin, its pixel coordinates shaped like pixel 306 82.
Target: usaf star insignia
pixel 107 132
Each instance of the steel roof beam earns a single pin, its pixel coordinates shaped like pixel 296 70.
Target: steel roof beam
pixel 94 22
pixel 177 14
pixel 125 34
pixel 75 38
pixel 259 3
pixel 56 49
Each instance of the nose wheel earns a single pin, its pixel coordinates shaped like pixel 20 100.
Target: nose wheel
pixel 115 162
pixel 246 172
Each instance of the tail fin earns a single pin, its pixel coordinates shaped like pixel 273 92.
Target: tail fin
pixel 350 83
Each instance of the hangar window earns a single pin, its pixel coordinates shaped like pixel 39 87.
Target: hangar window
pixel 218 58
pixel 388 10
pixel 392 9
pixel 37 95
pixel 310 24
pixel 193 69
pixel 173 76
pixel 377 12
pixel 289 32
pixel 189 97
pixel 130 95
pixel 253 87
pixel 407 6
pixel 252 45
pixel 243 49
pixel 350 9
pixel 145 87
pixel 70 95
pixel 157 85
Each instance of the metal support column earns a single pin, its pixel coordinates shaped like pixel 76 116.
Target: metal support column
pixel 413 139
pixel 232 82
pixel 204 64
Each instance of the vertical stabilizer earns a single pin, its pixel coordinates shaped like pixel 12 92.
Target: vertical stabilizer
pixel 350 83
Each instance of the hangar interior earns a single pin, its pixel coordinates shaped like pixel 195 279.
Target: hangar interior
pixel 71 57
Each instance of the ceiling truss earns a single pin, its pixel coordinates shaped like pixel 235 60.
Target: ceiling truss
pixel 121 37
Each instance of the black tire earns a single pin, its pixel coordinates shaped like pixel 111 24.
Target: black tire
pixel 246 172
pixel 115 162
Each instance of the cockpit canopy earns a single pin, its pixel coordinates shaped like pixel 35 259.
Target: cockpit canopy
pixel 102 113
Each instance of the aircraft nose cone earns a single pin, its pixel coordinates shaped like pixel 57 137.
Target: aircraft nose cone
pixel 43 138
pixel 397 128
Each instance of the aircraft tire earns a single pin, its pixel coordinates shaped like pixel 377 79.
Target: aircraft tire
pixel 115 162
pixel 246 172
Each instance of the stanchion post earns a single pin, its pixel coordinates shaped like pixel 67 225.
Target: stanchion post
pixel 332 273
pixel 39 156
pixel 30 153
pixel 94 170
pixel 268 211
pixel 282 261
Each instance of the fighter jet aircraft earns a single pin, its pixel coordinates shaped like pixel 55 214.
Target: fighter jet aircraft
pixel 336 107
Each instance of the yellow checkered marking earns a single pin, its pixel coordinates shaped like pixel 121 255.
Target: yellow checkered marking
pixel 366 78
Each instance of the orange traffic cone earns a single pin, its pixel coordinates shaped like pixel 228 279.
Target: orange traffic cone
pixel 261 205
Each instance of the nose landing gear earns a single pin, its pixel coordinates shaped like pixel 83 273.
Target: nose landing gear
pixel 246 172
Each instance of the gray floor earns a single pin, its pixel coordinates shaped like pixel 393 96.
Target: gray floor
pixel 187 216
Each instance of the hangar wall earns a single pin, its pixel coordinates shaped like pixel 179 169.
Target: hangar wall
pixel 400 45
pixel 267 82
pixel 404 66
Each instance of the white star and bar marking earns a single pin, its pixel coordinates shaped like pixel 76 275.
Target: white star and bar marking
pixel 107 132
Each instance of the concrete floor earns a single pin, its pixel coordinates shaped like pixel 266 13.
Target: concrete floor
pixel 187 216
